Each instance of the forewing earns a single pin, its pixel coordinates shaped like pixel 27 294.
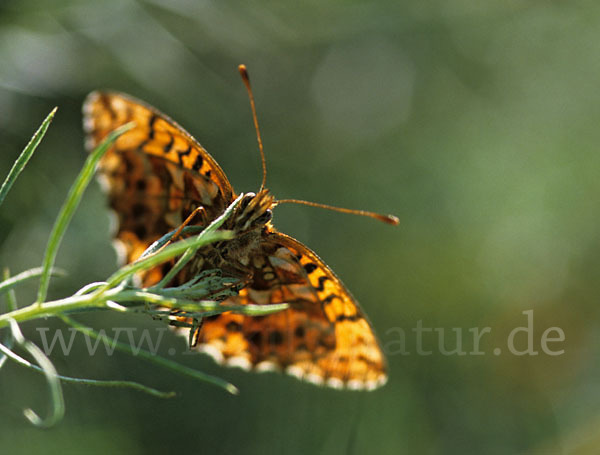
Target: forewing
pixel 155 174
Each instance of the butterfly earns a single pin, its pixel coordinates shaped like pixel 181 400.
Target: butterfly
pixel 156 174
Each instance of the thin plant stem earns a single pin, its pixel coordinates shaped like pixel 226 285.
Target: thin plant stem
pixel 11 305
pixel 10 283
pixel 56 397
pixel 25 155
pixel 164 255
pixel 90 382
pixel 157 360
pixel 70 205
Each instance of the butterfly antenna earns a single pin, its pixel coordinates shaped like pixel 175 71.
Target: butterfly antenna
pixel 244 73
pixel 389 219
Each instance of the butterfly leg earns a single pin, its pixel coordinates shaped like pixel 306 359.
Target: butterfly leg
pixel 198 210
pixel 194 335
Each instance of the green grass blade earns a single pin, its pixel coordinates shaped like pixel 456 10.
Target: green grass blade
pixel 11 304
pixel 8 353
pixel 11 298
pixel 10 283
pixel 189 254
pixel 157 360
pixel 193 306
pixel 181 262
pixel 167 253
pixel 25 155
pixel 3 357
pixel 165 239
pixel 70 205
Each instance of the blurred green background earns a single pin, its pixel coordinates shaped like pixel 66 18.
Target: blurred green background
pixel 475 123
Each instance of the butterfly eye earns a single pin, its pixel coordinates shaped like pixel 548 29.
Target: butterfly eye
pixel 246 200
pixel 265 217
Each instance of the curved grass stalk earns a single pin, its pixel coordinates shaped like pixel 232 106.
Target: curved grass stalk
pixel 90 382
pixel 10 283
pixel 56 395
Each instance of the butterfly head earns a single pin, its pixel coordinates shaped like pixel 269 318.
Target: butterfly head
pixel 254 211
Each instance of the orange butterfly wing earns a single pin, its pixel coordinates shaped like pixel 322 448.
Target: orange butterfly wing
pixel 155 175
pixel 324 337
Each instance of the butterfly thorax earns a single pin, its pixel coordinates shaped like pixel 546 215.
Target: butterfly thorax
pixel 249 221
pixel 253 212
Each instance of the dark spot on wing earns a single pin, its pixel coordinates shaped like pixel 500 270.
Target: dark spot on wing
pixel 233 326
pixel 322 280
pixel 255 338
pixel 151 122
pixel 198 163
pixel 275 338
pixel 182 153
pixel 167 147
pixel 138 210
pixel 310 267
pixel 328 342
pixel 129 166
pixel 141 231
pixel 329 298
